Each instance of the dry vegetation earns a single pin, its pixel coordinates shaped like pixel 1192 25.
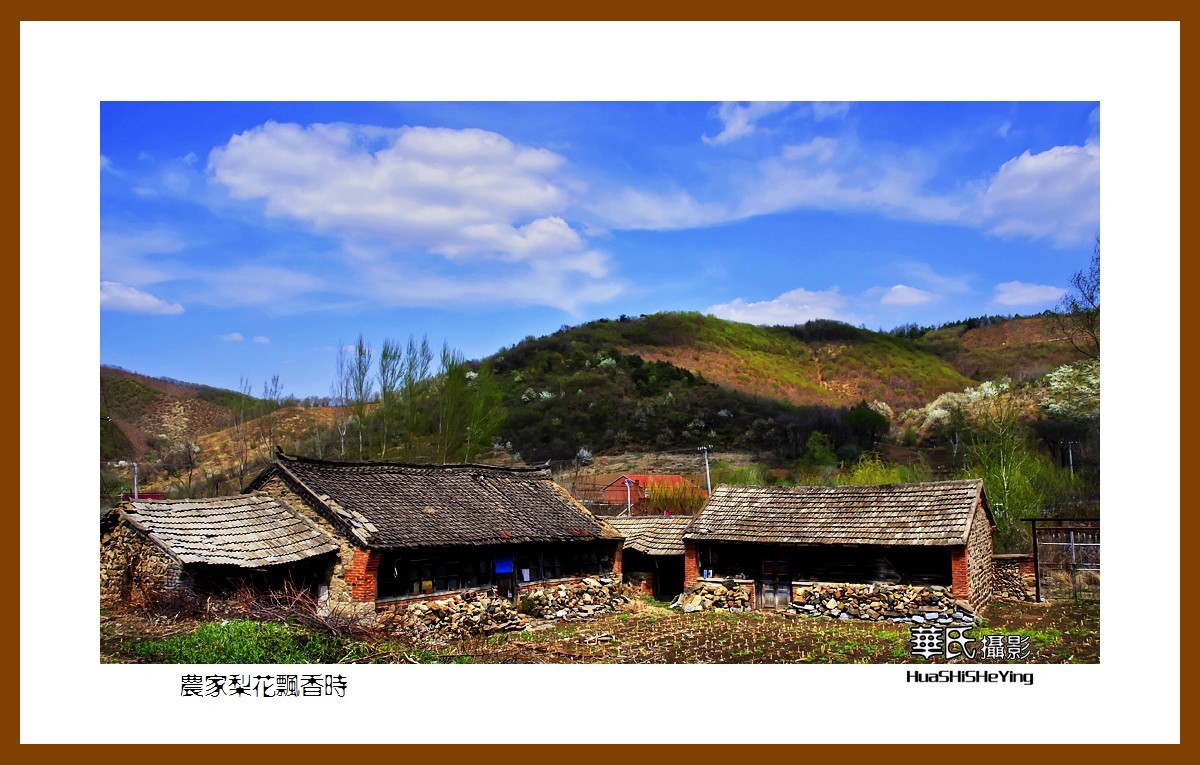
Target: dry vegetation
pixel 643 633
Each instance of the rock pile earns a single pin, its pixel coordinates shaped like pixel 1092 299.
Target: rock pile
pixel 482 612
pixel 459 615
pixel 577 600
pixel 879 602
pixel 1009 582
pixel 706 595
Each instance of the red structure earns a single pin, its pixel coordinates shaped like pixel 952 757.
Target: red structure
pixel 637 490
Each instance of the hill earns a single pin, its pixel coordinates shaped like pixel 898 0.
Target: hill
pixel 1020 348
pixel 678 380
pixel 147 412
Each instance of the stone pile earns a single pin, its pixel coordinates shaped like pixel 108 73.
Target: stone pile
pixel 460 615
pixel 573 601
pixel 706 595
pixel 482 612
pixel 881 602
pixel 1009 582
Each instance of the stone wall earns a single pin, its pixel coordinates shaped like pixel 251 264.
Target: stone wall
pixel 351 575
pixel 971 565
pixel 728 595
pixel 880 602
pixel 1013 577
pixel 640 582
pixel 134 568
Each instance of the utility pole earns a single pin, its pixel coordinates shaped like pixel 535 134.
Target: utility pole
pixel 707 476
pixel 628 496
pixel 135 481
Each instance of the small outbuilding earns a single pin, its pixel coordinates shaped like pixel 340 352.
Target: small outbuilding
pixel 153 547
pixel 412 532
pixel 937 533
pixel 653 557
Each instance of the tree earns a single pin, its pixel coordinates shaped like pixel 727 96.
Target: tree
pixel 1078 316
pixel 390 373
pixel 453 404
pixel 272 393
pixel 340 392
pixel 414 390
pixel 362 387
pixel 486 412
pixel 866 424
pixel 241 434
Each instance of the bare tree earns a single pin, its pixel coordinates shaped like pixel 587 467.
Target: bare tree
pixel 362 387
pixel 272 393
pixel 241 434
pixel 1078 314
pixel 340 393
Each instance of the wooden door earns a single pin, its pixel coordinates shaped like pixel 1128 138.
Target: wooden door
pixel 775 584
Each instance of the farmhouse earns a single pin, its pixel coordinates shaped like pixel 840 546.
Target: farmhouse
pixel 653 557
pixel 777 537
pixel 150 547
pixel 412 532
pixel 636 492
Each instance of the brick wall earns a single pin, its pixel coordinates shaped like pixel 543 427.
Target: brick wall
pixel 362 575
pixel 691 564
pixel 619 558
pixel 971 565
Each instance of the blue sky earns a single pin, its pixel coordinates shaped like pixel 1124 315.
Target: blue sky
pixel 248 239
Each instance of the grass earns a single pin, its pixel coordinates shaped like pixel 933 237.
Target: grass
pixel 248 642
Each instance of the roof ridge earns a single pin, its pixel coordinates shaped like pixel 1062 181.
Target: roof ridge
pixel 415 465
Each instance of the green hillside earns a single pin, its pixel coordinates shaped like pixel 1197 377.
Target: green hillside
pixel 680 380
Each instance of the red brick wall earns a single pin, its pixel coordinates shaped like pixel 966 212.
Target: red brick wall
pixel 619 559
pixel 691 564
pixel 362 575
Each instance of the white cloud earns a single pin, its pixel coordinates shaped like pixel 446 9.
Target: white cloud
pixel 1053 194
pixel 902 294
pixel 794 307
pixel 453 192
pixel 923 274
pixel 739 120
pixel 1002 131
pixel 824 110
pixel 106 164
pixel 232 337
pixel 472 197
pixel 635 209
pixel 821 148
pixel 261 339
pixel 115 296
pixel 1021 294
pixel 133 258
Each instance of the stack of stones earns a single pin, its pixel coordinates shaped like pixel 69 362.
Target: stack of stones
pixel 881 602
pixel 1009 582
pixel 577 600
pixel 726 597
pixel 460 615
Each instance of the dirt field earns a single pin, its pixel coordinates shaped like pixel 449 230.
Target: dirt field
pixel 648 633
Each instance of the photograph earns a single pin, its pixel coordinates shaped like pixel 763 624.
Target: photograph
pixel 597 382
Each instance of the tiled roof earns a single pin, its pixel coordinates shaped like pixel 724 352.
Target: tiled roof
pixel 246 530
pixel 653 534
pixel 389 505
pixel 937 513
